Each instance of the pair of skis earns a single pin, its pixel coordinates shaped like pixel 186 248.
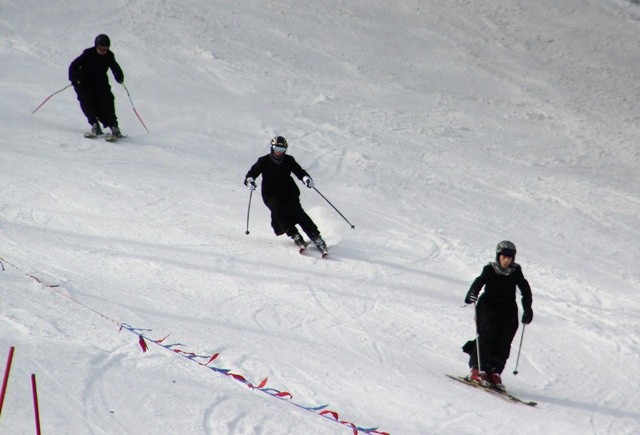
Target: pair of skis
pixel 492 390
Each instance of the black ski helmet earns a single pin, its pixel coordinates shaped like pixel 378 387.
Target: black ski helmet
pixel 506 248
pixel 279 141
pixel 102 40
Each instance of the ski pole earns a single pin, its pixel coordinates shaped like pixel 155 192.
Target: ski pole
pixel 134 109
pixel 334 207
pixel 475 318
pixel 515 372
pixel 248 211
pixel 47 99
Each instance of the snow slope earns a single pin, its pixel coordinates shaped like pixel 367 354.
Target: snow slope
pixel 436 128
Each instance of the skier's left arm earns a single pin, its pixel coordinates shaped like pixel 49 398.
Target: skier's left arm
pixel 527 299
pixel 302 175
pixel 118 74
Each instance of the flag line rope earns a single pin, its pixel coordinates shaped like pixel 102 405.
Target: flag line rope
pixel 320 410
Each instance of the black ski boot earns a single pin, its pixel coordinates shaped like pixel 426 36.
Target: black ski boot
pixel 115 132
pixel 321 245
pixel 299 241
pixel 95 129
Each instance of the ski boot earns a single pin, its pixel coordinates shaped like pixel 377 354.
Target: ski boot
pixel 495 381
pixel 321 245
pixel 115 132
pixel 299 241
pixel 477 376
pixel 95 129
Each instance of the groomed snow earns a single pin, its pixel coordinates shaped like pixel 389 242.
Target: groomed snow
pixel 437 129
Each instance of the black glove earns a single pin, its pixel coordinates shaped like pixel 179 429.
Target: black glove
pixel 471 297
pixel 527 316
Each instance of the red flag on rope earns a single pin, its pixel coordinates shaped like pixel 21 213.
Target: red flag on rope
pixel 162 339
pixel 352 426
pixel 239 378
pixel 211 359
pixel 143 344
pixel 333 414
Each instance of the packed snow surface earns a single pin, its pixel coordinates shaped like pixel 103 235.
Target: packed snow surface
pixel 436 128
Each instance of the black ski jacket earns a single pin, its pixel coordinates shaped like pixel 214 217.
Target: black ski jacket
pixel 90 69
pixel 276 177
pixel 500 290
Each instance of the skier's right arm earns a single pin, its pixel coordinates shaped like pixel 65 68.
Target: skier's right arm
pixel 474 290
pixel 254 172
pixel 472 296
pixel 74 70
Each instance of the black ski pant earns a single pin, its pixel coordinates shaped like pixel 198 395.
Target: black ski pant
pixel 286 213
pixel 496 328
pixel 97 104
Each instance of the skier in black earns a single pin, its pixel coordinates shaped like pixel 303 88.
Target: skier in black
pixel 497 314
pixel 88 74
pixel 281 194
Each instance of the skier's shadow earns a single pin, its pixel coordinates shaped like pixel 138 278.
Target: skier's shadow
pixel 592 407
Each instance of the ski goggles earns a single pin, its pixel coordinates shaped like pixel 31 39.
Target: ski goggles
pixel 508 253
pixel 277 149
